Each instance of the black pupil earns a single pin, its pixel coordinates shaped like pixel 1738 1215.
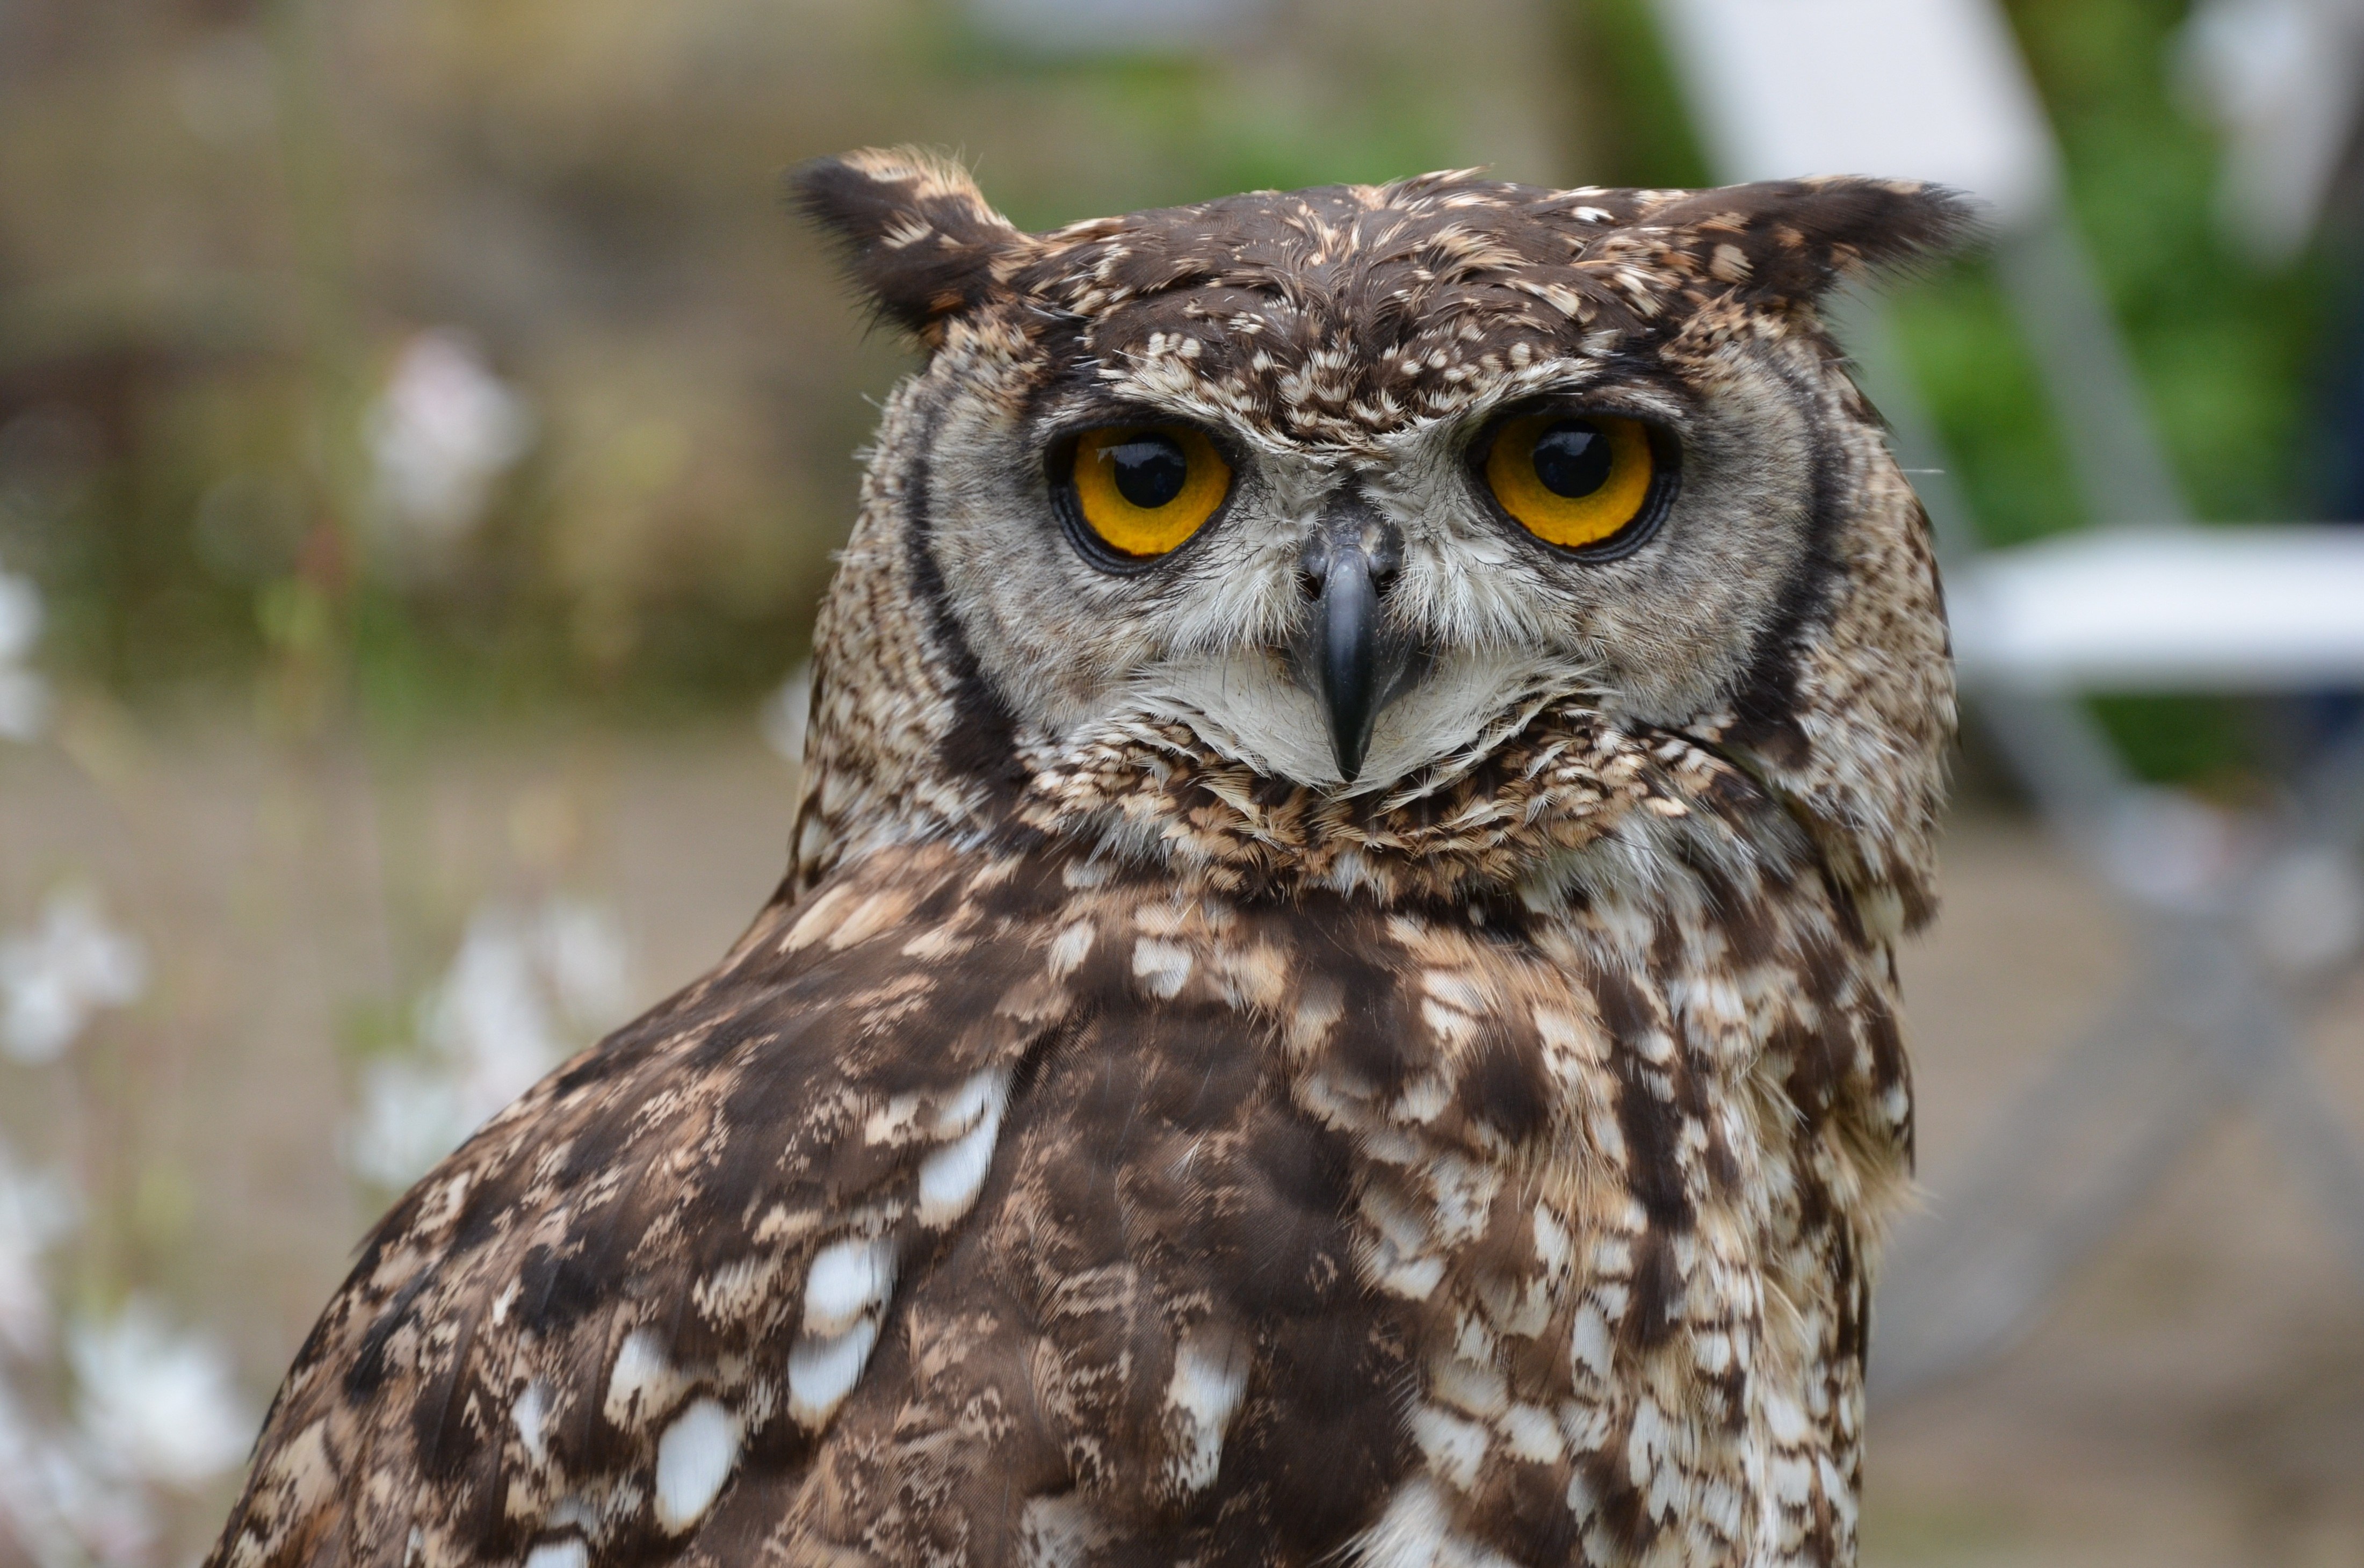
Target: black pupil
pixel 1150 470
pixel 1572 458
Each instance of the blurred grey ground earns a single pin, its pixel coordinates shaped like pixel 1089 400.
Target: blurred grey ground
pixel 2198 1393
pixel 2197 1398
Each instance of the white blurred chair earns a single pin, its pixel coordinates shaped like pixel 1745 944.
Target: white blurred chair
pixel 2239 917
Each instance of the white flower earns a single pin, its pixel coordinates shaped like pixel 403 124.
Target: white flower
pixel 57 1505
pixel 582 954
pixel 441 432
pixel 21 616
pixel 522 994
pixel 490 1018
pixel 37 1210
pixel 158 1406
pixel 410 1117
pixel 55 976
pixel 24 695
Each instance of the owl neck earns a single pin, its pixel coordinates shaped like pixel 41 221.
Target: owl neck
pixel 1572 807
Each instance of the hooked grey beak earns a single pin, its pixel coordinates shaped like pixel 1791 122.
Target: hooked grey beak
pixel 1344 654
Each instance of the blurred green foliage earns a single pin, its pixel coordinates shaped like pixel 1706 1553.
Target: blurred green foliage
pixel 2228 354
pixel 221 220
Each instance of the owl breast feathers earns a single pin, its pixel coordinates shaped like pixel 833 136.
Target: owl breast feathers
pixel 1335 997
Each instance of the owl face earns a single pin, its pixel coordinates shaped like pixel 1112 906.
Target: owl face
pixel 1345 480
pixel 1342 614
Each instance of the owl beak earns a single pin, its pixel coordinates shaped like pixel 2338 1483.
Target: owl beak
pixel 1343 653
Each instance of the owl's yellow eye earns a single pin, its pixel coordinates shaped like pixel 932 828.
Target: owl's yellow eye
pixel 1143 490
pixel 1572 480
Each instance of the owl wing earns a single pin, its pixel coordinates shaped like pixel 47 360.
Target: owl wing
pixel 672 1257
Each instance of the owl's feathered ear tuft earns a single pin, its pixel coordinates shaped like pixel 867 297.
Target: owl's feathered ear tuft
pixel 919 237
pixel 1797 239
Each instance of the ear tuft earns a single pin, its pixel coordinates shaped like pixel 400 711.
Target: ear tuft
pixel 1797 239
pixel 917 236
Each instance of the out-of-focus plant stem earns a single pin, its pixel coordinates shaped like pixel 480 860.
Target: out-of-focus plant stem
pixel 308 616
pixel 312 616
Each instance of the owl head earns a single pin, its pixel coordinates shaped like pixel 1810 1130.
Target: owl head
pixel 1333 492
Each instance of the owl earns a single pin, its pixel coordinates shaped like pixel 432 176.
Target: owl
pixel 1334 999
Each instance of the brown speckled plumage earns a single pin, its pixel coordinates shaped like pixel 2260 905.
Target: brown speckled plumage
pixel 1117 1146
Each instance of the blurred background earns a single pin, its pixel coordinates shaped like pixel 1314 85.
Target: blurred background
pixel 422 441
